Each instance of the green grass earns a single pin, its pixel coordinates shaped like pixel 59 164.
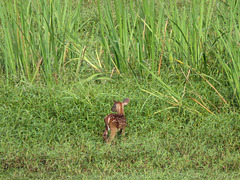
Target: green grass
pixel 44 39
pixel 57 133
pixel 63 62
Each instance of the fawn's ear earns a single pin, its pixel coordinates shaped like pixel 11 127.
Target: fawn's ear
pixel 114 101
pixel 126 101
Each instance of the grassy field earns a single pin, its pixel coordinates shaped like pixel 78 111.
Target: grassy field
pixel 63 62
pixel 57 133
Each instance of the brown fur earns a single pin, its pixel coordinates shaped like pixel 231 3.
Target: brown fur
pixel 115 122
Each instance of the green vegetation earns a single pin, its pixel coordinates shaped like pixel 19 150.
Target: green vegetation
pixel 63 62
pixel 57 132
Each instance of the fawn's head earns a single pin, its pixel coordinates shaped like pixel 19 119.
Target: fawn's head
pixel 118 106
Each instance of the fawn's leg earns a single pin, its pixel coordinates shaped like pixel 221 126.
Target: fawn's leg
pixel 113 134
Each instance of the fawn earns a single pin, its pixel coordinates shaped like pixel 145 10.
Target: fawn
pixel 115 122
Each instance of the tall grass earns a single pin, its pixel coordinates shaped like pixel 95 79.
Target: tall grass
pixel 228 54
pixel 190 26
pixel 44 39
pixel 170 32
pixel 37 35
pixel 177 29
pixel 130 35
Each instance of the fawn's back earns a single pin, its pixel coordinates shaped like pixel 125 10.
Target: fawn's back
pixel 115 120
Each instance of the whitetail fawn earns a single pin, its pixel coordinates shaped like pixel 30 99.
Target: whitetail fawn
pixel 115 122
